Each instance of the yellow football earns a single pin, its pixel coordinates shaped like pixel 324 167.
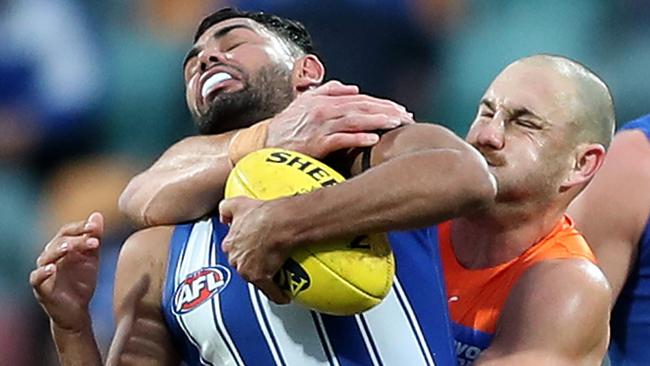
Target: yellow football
pixel 340 277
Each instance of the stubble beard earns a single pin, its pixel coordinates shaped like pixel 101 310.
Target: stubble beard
pixel 266 94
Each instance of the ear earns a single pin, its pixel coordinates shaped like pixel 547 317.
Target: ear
pixel 308 72
pixel 588 159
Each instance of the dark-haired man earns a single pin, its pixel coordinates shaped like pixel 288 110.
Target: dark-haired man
pixel 246 67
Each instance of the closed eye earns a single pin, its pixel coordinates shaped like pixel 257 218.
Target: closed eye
pixel 528 124
pixel 232 47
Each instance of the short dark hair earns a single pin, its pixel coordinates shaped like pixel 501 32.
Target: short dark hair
pixel 291 31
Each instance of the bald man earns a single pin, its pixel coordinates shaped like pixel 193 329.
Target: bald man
pixel 523 287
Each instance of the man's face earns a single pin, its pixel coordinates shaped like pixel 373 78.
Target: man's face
pixel 237 73
pixel 521 129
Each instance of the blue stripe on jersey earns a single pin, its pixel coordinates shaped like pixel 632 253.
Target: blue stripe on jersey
pixel 213 262
pixel 265 319
pixel 346 340
pixel 177 247
pixel 402 302
pixel 425 272
pixel 238 315
pixel 323 337
pixel 366 329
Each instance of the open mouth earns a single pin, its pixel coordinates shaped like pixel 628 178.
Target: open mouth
pixel 217 82
pixel 214 82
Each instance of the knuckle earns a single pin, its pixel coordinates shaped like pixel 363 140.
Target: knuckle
pixel 317 112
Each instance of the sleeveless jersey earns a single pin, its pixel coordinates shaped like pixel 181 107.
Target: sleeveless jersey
pixel 476 296
pixel 216 318
pixel 630 323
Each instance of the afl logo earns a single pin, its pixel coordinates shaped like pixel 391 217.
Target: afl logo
pixel 199 287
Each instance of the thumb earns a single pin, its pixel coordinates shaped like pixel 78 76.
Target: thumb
pixel 226 208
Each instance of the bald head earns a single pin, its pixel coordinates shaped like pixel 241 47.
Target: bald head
pixel 589 99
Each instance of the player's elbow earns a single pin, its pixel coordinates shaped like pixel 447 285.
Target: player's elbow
pixel 132 204
pixel 479 187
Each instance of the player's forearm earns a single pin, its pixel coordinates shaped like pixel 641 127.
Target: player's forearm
pixel 411 191
pixel 185 183
pixel 76 348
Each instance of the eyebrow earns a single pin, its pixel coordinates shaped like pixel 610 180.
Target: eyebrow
pixel 516 112
pixel 219 34
pixel 487 103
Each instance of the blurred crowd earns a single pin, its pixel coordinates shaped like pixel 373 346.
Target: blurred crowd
pixel 92 91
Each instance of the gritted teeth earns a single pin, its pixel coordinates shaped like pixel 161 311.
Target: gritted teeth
pixel 213 81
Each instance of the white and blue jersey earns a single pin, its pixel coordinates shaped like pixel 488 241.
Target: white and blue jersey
pixel 216 318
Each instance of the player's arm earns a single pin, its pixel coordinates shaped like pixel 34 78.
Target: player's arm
pixel 557 314
pixel 181 185
pixel 141 336
pixel 187 180
pixel 422 174
pixel 614 208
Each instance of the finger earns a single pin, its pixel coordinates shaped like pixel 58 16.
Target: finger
pixel 225 211
pixel 371 107
pixel 358 122
pixel 57 250
pixel 336 88
pixel 73 229
pixel 226 245
pixel 272 291
pixel 95 224
pixel 344 140
pixel 40 274
pixel 363 98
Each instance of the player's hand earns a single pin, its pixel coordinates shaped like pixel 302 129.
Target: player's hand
pixel 66 273
pixel 332 117
pixel 250 246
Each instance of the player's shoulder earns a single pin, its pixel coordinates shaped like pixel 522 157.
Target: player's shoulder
pixel 146 250
pixel 141 265
pixel 570 284
pixel 561 307
pixel 148 243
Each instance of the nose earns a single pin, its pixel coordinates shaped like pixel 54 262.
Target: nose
pixel 209 57
pixel 491 133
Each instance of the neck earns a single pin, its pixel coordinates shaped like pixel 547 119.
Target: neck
pixel 501 233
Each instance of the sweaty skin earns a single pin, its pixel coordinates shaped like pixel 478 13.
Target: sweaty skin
pixel 541 162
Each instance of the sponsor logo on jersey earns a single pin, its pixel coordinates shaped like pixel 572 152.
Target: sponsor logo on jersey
pixel 466 353
pixel 292 277
pixel 318 174
pixel 199 287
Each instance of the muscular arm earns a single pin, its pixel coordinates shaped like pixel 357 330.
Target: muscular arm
pixel 421 174
pixel 185 183
pixel 613 210
pixel 557 314
pixel 141 337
